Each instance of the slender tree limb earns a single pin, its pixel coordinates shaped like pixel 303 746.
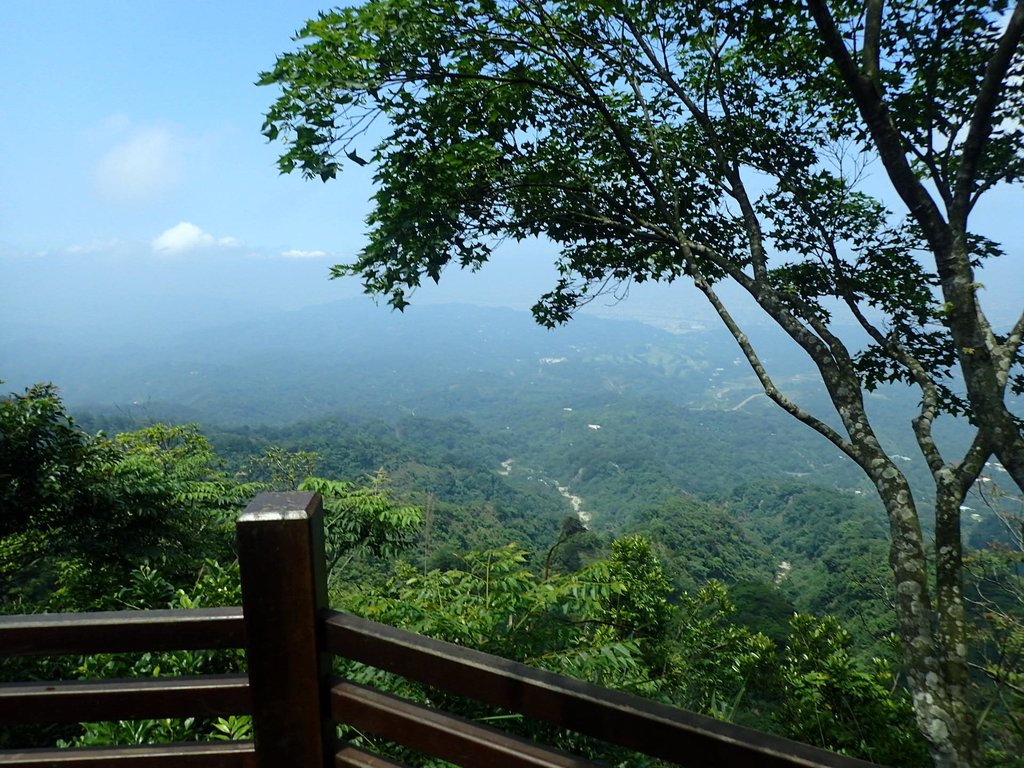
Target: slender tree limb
pixel 769 386
pixel 583 80
pixel 980 126
pixel 730 172
pixel 887 139
pixel 1010 349
pixel 872 34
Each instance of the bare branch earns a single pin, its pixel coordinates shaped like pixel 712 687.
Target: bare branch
pixel 887 139
pixel 770 389
pixel 622 137
pixel 1009 350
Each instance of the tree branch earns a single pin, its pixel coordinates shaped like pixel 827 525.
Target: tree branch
pixel 1010 349
pixel 737 189
pixel 888 141
pixel 770 389
pixel 872 34
pixel 980 125
pixel 622 138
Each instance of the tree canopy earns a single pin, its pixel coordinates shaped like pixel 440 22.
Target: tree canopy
pixel 154 495
pixel 715 141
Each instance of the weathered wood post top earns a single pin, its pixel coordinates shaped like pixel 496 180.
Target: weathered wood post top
pixel 284 591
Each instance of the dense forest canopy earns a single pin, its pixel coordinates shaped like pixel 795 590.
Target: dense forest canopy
pixel 716 142
pixel 618 608
pixel 726 572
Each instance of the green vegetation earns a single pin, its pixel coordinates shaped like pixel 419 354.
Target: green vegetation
pixel 153 495
pixel 718 144
pixel 683 599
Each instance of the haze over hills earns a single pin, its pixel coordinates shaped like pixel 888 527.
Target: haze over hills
pixel 229 337
pixel 348 356
pixel 502 428
pixel 627 395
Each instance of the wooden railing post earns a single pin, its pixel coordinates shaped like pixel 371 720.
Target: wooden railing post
pixel 284 591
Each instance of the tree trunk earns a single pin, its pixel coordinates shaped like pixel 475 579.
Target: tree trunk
pixel 934 637
pixel 934 643
pixel 985 363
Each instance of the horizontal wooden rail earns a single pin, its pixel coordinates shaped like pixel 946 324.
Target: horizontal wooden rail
pixel 353 757
pixel 231 754
pixel 465 743
pixel 55 634
pixel 630 721
pixel 75 701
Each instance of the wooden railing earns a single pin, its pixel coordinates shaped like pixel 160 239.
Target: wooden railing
pixel 290 638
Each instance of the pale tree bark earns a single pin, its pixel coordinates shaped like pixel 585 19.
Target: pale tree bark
pixel 933 633
pixel 934 637
pixel 939 670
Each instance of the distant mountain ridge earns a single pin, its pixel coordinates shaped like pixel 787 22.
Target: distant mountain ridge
pixel 494 366
pixel 255 359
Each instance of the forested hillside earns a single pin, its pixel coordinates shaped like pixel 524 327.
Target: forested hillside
pixel 605 457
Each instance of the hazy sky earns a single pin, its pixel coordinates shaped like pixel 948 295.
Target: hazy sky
pixel 138 122
pixel 132 141
pixel 133 162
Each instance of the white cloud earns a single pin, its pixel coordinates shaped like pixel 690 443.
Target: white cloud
pixel 186 236
pixel 144 166
pixel 296 253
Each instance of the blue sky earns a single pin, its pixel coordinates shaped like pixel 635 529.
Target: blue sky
pixel 134 167
pixel 124 120
pixel 133 161
pixel 135 178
